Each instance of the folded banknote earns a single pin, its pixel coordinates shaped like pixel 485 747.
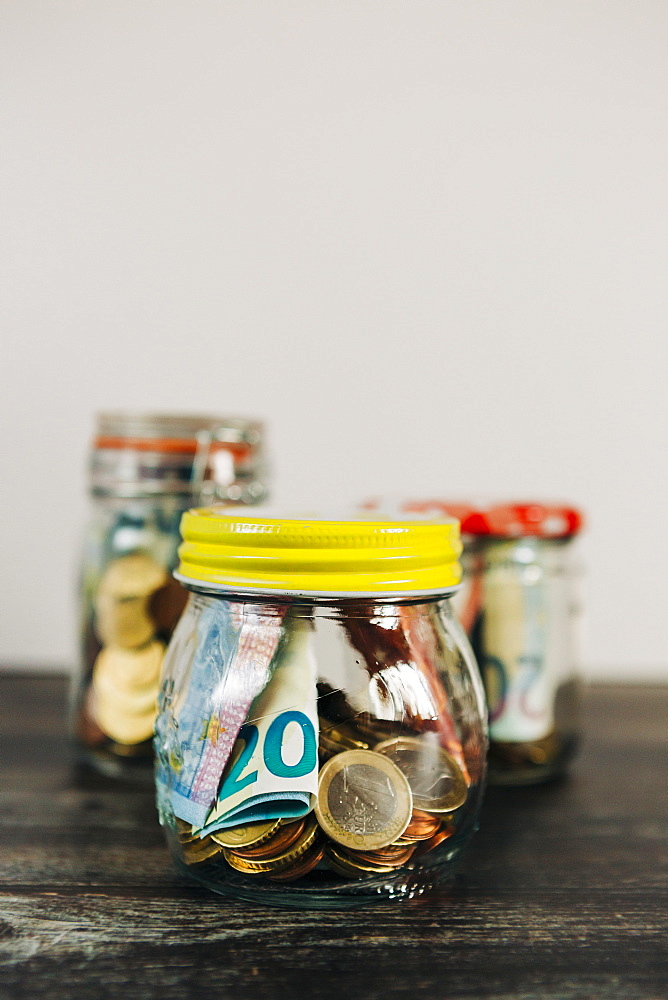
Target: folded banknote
pixel 232 663
pixel 273 770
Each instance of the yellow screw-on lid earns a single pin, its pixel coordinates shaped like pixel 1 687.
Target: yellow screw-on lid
pixel 359 554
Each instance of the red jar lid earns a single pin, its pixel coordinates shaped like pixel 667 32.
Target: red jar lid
pixel 507 520
pixel 518 519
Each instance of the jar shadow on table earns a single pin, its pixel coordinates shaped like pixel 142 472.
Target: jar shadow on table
pixel 121 800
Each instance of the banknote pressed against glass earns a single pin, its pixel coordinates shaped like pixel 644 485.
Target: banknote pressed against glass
pixel 321 736
pixel 145 470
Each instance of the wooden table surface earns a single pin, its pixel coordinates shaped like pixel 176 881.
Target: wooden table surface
pixel 562 893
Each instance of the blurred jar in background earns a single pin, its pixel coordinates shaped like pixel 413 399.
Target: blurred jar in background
pixel 145 470
pixel 519 605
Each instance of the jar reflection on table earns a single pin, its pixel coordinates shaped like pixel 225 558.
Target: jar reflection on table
pixel 318 751
pixel 145 470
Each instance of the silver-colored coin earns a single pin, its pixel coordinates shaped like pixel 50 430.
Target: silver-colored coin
pixel 435 777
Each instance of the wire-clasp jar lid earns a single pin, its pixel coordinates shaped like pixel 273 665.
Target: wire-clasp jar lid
pixel 207 458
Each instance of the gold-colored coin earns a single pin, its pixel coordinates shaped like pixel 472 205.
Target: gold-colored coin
pixel 301 867
pixel 374 730
pixel 346 872
pixel 343 735
pixel 200 850
pixel 337 737
pixel 125 691
pixel 435 777
pixel 122 611
pixel 281 862
pixel 349 864
pixel 517 755
pixel 428 845
pixel 192 838
pixel 364 801
pixel 276 844
pixel 185 832
pixel 327 749
pixel 240 864
pixel 249 835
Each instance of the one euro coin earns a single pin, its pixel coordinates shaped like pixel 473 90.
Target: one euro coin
pixel 364 800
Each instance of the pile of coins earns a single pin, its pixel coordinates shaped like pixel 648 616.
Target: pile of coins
pixel 194 848
pixel 423 833
pixel 376 810
pixel 278 850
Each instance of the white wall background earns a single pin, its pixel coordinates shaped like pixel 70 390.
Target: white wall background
pixel 426 240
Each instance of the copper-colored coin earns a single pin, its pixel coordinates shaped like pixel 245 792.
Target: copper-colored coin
pixel 279 842
pixel 395 858
pixel 247 835
pixel 428 845
pixel 436 779
pixel 393 851
pixel 302 867
pixel 362 860
pixel 422 826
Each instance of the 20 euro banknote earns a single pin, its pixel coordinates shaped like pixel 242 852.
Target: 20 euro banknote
pixel 273 771
pixel 232 663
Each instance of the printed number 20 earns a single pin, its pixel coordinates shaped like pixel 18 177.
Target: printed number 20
pixel 272 753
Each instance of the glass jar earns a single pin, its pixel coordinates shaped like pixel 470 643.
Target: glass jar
pixel 519 604
pixel 321 736
pixel 145 470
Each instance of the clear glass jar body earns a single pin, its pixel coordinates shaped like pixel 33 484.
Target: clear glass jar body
pixel 144 472
pixel 322 753
pixel 520 607
pixel 129 605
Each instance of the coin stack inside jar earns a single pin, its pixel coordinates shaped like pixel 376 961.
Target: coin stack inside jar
pixel 381 802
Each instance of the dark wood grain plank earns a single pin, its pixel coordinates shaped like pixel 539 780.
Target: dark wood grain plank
pixel 561 894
